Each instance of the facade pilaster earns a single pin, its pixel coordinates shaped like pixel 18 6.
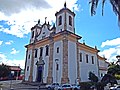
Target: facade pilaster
pixel 25 64
pixel 50 67
pixel 30 79
pixel 78 67
pixel 65 78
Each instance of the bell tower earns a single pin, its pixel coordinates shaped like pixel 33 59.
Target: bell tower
pixel 65 20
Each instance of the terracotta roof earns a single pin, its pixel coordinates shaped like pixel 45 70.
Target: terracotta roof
pixel 14 68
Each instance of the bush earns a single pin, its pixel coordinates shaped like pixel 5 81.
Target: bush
pixel 93 77
pixel 85 85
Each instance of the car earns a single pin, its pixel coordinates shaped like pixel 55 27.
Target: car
pixel 52 86
pixel 75 87
pixel 117 87
pixel 66 87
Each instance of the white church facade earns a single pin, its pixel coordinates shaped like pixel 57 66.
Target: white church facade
pixel 55 54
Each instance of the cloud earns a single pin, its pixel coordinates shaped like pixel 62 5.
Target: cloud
pixel 1 42
pixel 111 42
pixel 20 63
pixel 14 51
pixel 5 60
pixel 112 50
pixel 9 7
pixel 9 42
pixel 2 57
pixel 19 16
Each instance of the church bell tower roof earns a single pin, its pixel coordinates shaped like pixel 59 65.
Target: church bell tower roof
pixel 64 9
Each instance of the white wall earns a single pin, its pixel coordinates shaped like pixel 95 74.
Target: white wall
pixel 85 68
pixel 104 65
pixel 72 62
pixel 69 27
pixel 28 63
pixel 60 27
pixel 58 56
pixel 44 33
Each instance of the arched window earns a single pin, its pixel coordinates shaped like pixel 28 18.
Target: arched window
pixel 36 53
pixel 41 51
pixel 60 20
pixel 47 50
pixel 70 20
pixel 86 58
pixel 80 57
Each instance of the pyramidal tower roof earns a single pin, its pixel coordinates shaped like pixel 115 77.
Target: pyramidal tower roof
pixel 65 9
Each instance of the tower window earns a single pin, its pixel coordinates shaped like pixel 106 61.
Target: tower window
pixel 47 50
pixel 35 53
pixel 86 58
pixel 41 51
pixel 60 20
pixel 80 57
pixel 32 34
pixel 27 68
pixel 70 20
pixel 29 56
pixel 57 49
pixel 92 59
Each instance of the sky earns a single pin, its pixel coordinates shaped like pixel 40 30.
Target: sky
pixel 18 16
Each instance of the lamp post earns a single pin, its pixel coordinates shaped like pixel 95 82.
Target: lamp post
pixel 118 57
pixel 40 65
pixel 57 67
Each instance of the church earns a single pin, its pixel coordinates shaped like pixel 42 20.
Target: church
pixel 54 54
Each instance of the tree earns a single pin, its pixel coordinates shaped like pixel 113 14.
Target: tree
pixel 93 77
pixel 114 69
pixel 108 78
pixel 4 70
pixel 115 5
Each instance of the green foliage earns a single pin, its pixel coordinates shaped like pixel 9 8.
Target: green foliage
pixel 93 77
pixel 117 76
pixel 4 70
pixel 114 69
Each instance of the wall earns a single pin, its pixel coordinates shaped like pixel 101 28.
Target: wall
pixel 72 62
pixel 59 57
pixel 85 68
pixel 28 64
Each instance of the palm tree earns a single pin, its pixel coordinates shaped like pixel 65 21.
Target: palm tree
pixel 115 5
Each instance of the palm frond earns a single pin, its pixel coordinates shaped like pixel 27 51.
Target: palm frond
pixel 103 3
pixel 94 4
pixel 116 8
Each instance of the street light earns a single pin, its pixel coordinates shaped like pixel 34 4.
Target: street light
pixel 40 65
pixel 57 67
pixel 118 57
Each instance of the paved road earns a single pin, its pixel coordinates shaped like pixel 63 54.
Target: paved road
pixel 18 85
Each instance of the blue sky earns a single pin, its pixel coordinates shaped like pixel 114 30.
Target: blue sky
pixel 15 25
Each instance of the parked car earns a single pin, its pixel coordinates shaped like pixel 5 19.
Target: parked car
pixel 66 87
pixel 75 87
pixel 117 87
pixel 52 86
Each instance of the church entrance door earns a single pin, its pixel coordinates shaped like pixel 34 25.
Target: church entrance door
pixel 39 76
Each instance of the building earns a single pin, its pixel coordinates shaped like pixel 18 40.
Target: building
pixel 9 72
pixel 54 54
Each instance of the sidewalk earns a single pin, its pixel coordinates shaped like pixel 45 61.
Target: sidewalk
pixel 19 85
